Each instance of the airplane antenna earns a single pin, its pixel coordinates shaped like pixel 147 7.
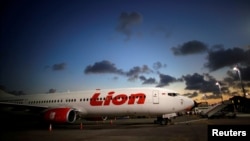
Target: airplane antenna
pixel 98 90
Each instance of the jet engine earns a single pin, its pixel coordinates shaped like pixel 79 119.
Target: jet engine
pixel 60 115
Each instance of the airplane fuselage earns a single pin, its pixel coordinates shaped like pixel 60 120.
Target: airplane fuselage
pixel 110 102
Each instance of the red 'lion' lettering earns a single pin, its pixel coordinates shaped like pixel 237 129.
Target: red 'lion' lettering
pixel 140 97
pixel 119 99
pixel 94 101
pixel 108 98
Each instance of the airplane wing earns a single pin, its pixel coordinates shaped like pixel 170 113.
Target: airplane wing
pixel 22 107
pixel 51 114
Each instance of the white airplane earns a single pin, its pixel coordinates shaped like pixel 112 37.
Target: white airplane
pixel 69 106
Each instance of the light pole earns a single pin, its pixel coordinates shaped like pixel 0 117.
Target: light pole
pixel 238 71
pixel 218 84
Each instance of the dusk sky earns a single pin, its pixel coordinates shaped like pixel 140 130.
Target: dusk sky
pixel 184 45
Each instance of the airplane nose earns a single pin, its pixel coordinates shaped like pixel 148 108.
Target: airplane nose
pixel 191 107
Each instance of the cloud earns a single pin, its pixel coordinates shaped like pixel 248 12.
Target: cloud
pixel 221 58
pixel 191 47
pixel 245 73
pixel 203 83
pixel 108 67
pixel 165 80
pixel 191 95
pixel 132 74
pixel 127 21
pixel 102 67
pixel 58 67
pixel 147 81
pixel 135 71
pixel 158 65
pixel 198 82
pixel 194 82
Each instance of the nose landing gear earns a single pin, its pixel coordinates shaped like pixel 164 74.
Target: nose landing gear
pixel 162 121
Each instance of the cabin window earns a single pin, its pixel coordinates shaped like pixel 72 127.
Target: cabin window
pixel 172 94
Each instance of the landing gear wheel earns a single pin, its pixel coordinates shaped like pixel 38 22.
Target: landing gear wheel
pixel 161 121
pixel 164 121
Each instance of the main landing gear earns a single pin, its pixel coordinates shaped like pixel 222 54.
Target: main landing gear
pixel 162 121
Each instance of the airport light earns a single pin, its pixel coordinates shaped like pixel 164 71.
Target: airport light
pixel 239 74
pixel 219 86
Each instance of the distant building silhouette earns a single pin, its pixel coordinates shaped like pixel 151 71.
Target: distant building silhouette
pixel 242 104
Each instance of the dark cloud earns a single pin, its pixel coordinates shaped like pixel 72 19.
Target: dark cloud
pixel 137 70
pixel 147 81
pixel 58 67
pixel 221 58
pixel 102 67
pixel 191 95
pixel 194 82
pixel 247 55
pixel 133 74
pixel 108 67
pixel 245 73
pixel 159 65
pixel 165 80
pixel 126 21
pixel 203 83
pixel 191 47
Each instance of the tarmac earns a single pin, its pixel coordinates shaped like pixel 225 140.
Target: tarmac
pixel 182 128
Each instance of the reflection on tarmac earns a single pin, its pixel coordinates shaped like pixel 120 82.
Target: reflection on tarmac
pixel 183 128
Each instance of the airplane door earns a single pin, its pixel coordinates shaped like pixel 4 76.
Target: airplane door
pixel 155 97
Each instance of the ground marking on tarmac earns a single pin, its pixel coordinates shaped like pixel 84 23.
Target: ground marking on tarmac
pixel 184 122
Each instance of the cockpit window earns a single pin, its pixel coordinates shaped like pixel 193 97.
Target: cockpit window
pixel 173 94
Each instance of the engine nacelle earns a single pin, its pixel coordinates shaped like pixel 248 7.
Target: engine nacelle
pixel 60 115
